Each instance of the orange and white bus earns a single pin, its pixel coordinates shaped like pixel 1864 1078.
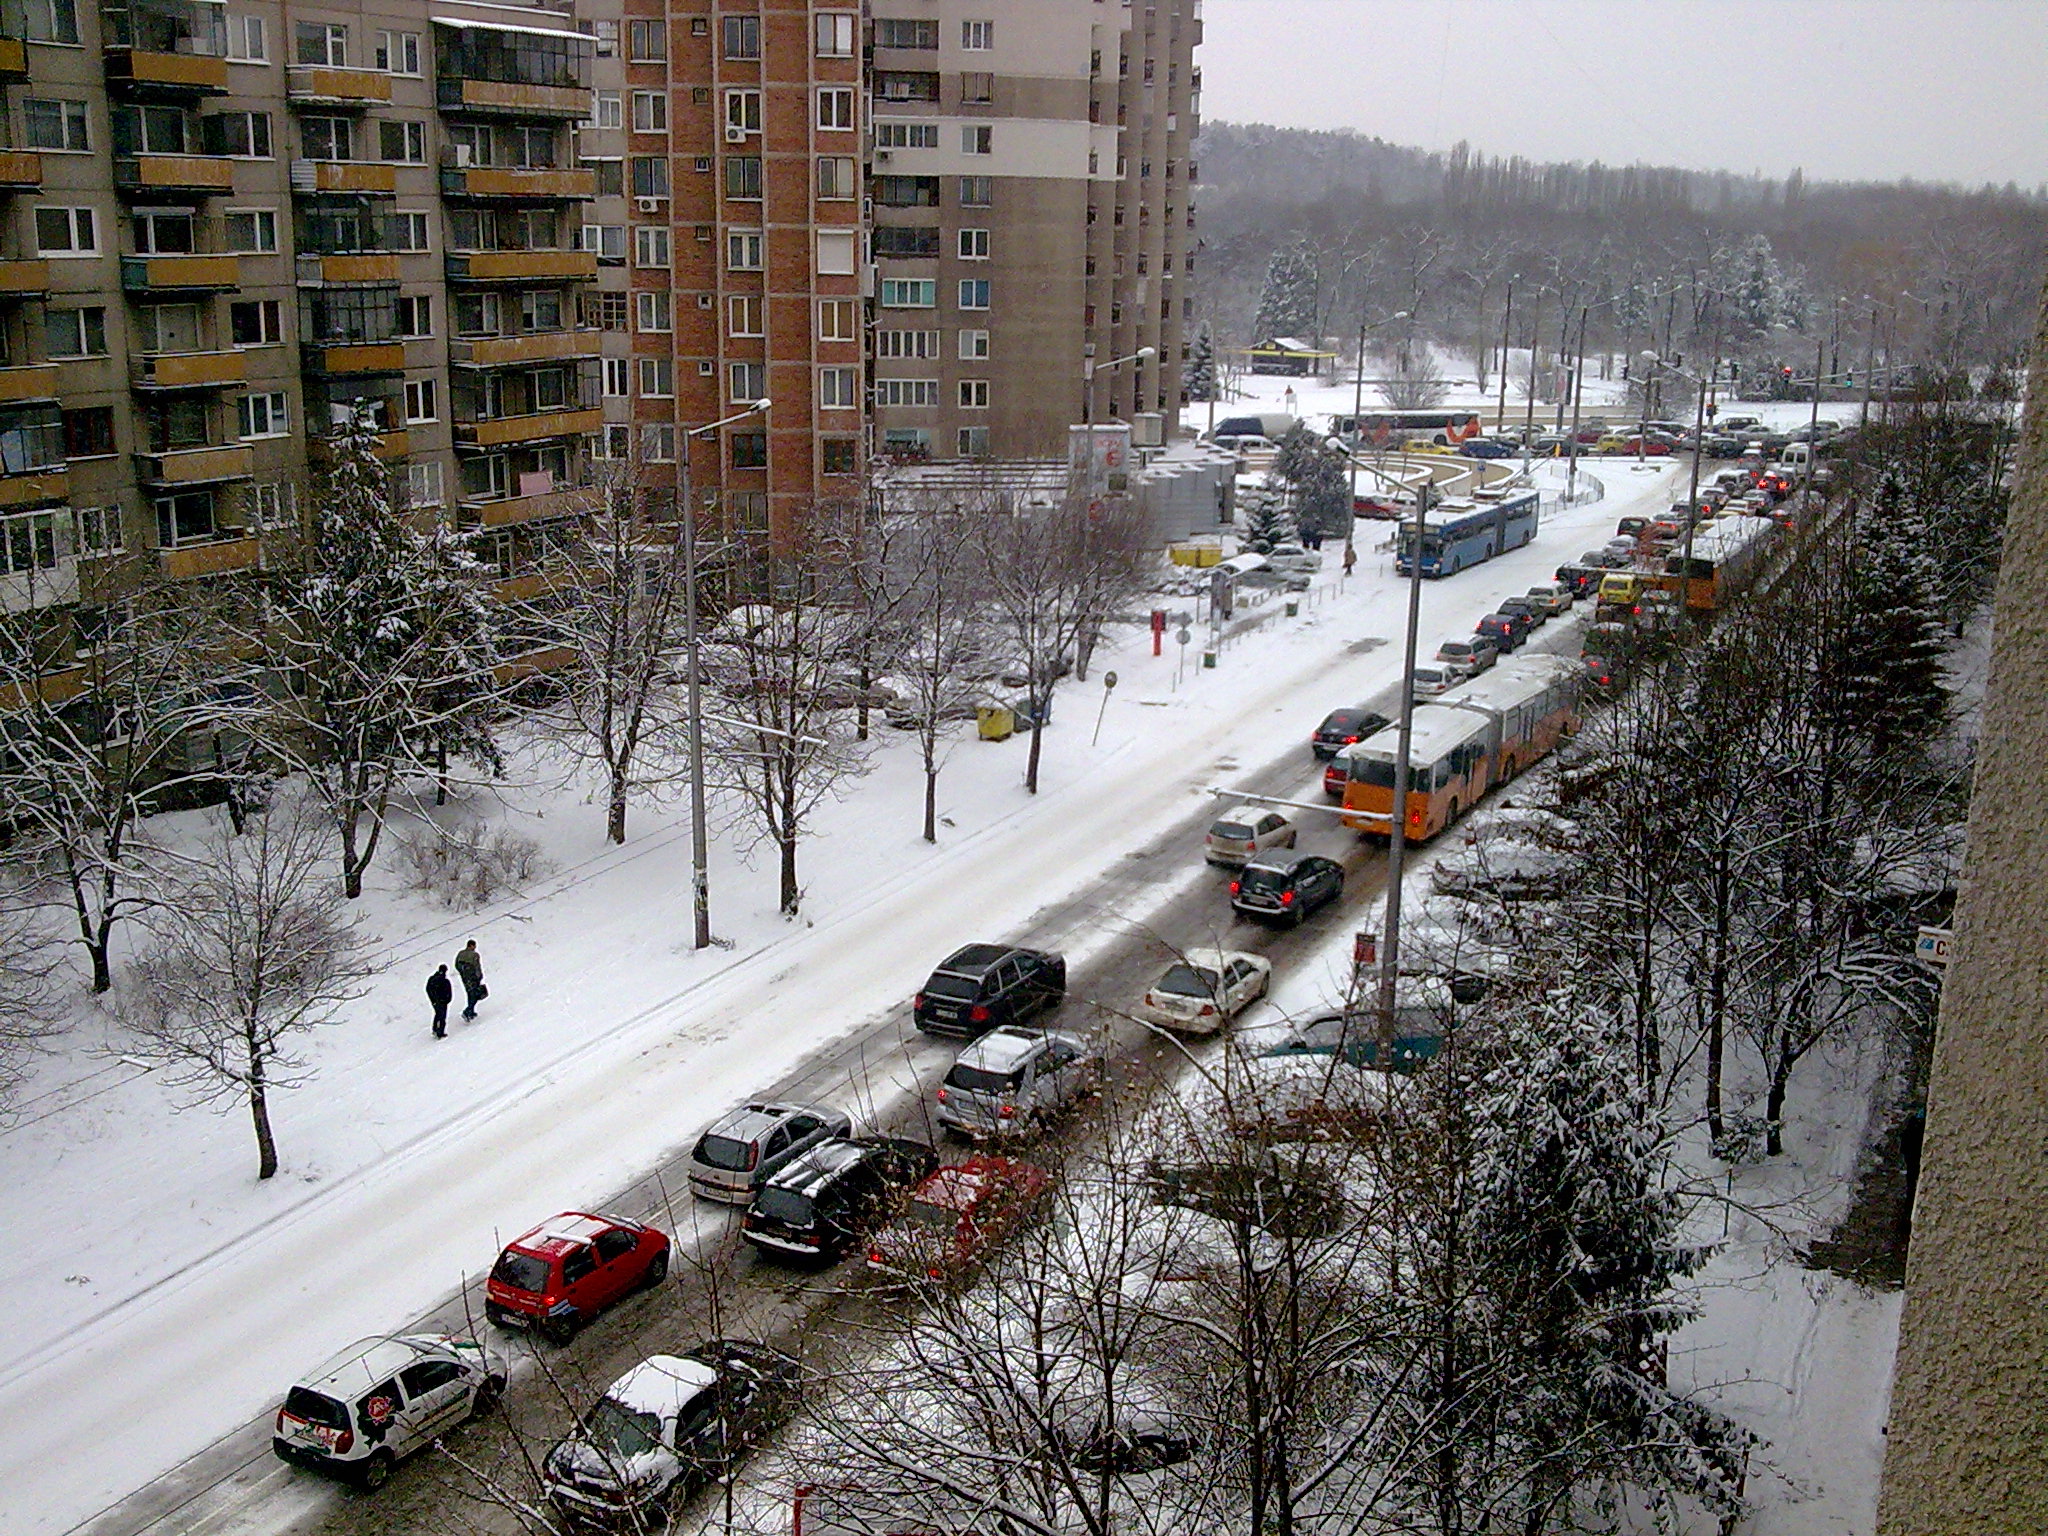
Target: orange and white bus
pixel 1463 743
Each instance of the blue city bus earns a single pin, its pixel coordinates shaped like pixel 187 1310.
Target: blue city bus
pixel 1456 534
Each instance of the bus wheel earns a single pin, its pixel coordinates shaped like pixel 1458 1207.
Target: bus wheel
pixel 1451 814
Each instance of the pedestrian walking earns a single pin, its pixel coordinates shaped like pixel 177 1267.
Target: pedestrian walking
pixel 469 965
pixel 440 992
pixel 1350 557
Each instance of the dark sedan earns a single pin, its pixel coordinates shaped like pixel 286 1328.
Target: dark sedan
pixel 981 986
pixel 1342 727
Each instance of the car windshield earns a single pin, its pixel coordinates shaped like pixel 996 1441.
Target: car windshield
pixel 305 1403
pixel 1256 879
pixel 981 1080
pixel 1237 831
pixel 786 1206
pixel 1428 675
pixel 958 988
pixel 521 1271
pixel 932 1217
pixel 624 1432
pixel 1452 650
pixel 1188 981
pixel 726 1152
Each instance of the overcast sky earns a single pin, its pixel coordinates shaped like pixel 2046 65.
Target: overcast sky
pixel 1938 90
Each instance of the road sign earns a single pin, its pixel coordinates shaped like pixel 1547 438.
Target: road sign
pixel 1183 634
pixel 1932 945
pixel 1108 680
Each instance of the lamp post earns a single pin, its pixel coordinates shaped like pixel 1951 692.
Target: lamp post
pixel 1090 368
pixel 700 848
pixel 1699 432
pixel 1397 819
pixel 1358 415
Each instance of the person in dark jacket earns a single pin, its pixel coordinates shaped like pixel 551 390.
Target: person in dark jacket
pixel 440 992
pixel 469 965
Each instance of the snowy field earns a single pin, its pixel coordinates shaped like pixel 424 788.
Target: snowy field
pixel 162 1297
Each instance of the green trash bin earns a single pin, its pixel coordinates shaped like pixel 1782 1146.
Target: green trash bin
pixel 995 722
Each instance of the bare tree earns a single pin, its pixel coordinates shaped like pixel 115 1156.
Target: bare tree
pixel 27 959
pixel 260 954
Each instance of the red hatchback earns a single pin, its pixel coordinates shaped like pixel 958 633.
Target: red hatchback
pixel 570 1268
pixel 956 1213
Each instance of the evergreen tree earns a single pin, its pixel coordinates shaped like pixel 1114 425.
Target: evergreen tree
pixel 1318 489
pixel 1262 517
pixel 1288 305
pixel 1200 373
pixel 1890 685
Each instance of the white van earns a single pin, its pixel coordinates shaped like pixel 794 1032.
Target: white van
pixel 1795 455
pixel 379 1400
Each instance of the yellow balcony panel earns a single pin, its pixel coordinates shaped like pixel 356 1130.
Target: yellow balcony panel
pixel 59 687
pixel 184 73
pixel 343 176
pixel 527 429
pixel 523 588
pixel 36 381
pixel 540 347
pixel 191 370
pixel 371 267
pixel 527 509
pixel 394 445
pixel 315 83
pixel 514 100
pixel 198 466
pixel 20 167
pixel 512 181
pixel 13 59
pixel 141 274
pixel 217 558
pixel 24 279
pixel 173 173
pixel 368 357
pixel 42 485
pixel 521 266
pixel 548 659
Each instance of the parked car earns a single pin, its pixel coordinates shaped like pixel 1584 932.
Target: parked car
pixel 1553 597
pixel 983 986
pixel 1657 610
pixel 1504 871
pixel 1246 830
pixel 957 1214
pixel 1579 579
pixel 1341 727
pixel 1423 1005
pixel 1337 774
pixel 1287 885
pixel 668 1425
pixel 1611 444
pixel 1720 445
pixel 1551 445
pixel 1467 658
pixel 1739 424
pixel 560 1275
pixel 363 1411
pixel 1013 1080
pixel 745 1145
pixel 1431 681
pixel 1294 560
pixel 1504 630
pixel 1488 448
pixel 826 1202
pixel 1533 617
pixel 1205 989
pixel 1632 527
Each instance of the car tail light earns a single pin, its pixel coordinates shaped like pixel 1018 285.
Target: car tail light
pixel 1006 1111
pixel 1205 1011
pixel 942 1095
pixel 876 1256
pixel 1350 741
pixel 1287 898
pixel 978 1014
pixel 917 1003
pixel 1234 886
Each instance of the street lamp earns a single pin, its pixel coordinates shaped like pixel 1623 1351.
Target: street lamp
pixel 700 849
pixel 1357 417
pixel 1090 368
pixel 1699 433
pixel 1397 820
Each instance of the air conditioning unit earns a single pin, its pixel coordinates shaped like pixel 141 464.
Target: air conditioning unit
pixel 883 157
pixel 735 134
pixel 647 204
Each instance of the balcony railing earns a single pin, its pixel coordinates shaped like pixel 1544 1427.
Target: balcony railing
pixel 20 168
pixel 503 98
pixel 197 466
pixel 317 85
pixel 498 431
pixel 148 72
pixel 38 484
pixel 53 587
pixel 511 351
pixel 511 510
pixel 522 266
pixel 508 181
pixel 235 551
pixel 353 357
pixel 142 274
pixel 191 370
pixel 344 176
pixel 173 173
pixel 352 267
pixel 34 381
pixel 13 59
pixel 24 279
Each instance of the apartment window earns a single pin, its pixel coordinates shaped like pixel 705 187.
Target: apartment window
pixel 615 377
pixel 608 241
pixel 906 135
pixel 650 246
pixel 66 232
pixel 742 112
pixel 647 42
pixel 974 293
pixel 607 39
pixel 893 32
pixel 615 442
pixel 835 107
pixel 974 394
pixel 240 135
pixel 607 110
pixel 415 314
pixel 974 245
pixel 905 191
pixel 168 327
pixel 409 231
pixel 833 34
pixel 976 139
pixel 540 309
pixel 977 36
pixel 906 344
pixel 321 42
pixel 327 138
pixel 170 232
pixel 611 175
pixel 397 53
pixel 650 175
pixel 906 391
pixel 836 320
pixel 56 124
pixel 750 449
pixel 743 176
pixel 51 21
pixel 89 432
pixel 837 179
pixel 658 444
pixel 977 191
pixel 100 531
pixel 743 37
pixel 263 415
pixel 909 293
pixel 28 543
pixel 743 250
pixel 977 86
pixel 838 389
pixel 654 312
pixel 835 252
pixel 75 332
pixel 250 230
pixel 423 486
pixel 906 240
pixel 256 322
pixel 402 141
pixel 611 311
pixel 269 506
pixel 419 400
pixel 657 377
pixel 247 41
pixel 743 315
pixel 185 519
pixel 650 111
pixel 973 346
pixel 839 455
pixel 973 442
pixel 746 381
pixel 533 147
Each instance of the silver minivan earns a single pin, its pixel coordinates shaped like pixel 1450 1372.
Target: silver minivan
pixel 365 1410
pixel 734 1158
pixel 1011 1079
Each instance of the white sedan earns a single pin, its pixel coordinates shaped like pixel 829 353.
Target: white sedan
pixel 1205 989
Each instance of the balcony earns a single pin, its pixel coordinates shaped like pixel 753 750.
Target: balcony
pixel 201 174
pixel 503 98
pixel 314 85
pixel 513 510
pixel 344 176
pixel 516 182
pixel 537 663
pixel 502 430
pixel 522 266
pixel 194 274
pixel 59 687
pixel 197 466
pixel 191 370
pixel 216 557
pixel 35 381
pixel 511 351
pixel 24 279
pixel 13 60
pixel 354 357
pixel 20 168
pixel 31 590
pixel 145 72
pixel 47 483
pixel 357 267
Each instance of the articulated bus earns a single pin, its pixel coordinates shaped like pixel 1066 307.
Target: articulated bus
pixel 1725 557
pixel 1456 534
pixel 1464 743
pixel 1380 429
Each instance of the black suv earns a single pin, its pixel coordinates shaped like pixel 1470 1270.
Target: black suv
pixel 1286 884
pixel 981 986
pixel 1341 727
pixel 833 1196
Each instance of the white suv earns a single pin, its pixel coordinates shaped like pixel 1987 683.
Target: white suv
pixel 380 1400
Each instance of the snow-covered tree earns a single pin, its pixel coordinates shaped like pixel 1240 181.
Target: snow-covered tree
pixel 1263 518
pixel 28 956
pixel 1891 684
pixel 1416 382
pixel 1754 284
pixel 1199 376
pixel 1318 489
pixel 1290 303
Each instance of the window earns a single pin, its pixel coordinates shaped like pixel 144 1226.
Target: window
pixel 66 232
pixel 533 147
pixel 832 32
pixel 56 124
pixel 327 138
pixel 906 84
pixel 540 309
pixel 906 343
pixel 835 107
pixel 658 444
pixel 647 42
pixel 906 240
pixel 836 178
pixel 423 487
pixel 974 245
pixel 256 322
pixel 397 53
pixel 89 432
pixel 839 455
pixel 973 442
pixel 616 378
pixel 650 245
pixel 973 346
pixel 743 37
pixel 977 86
pixel 909 293
pixel 650 111
pixel 403 141
pixel 247 43
pixel 838 389
pixel 650 175
pixel 977 191
pixel 977 36
pixel 185 519
pixel 743 176
pixel 743 315
pixel 974 394
pixel 906 391
pixel 835 320
pixel 892 32
pixel 906 135
pixel 170 232
pixel 747 381
pixel 241 135
pixel 606 110
pixel 262 415
pixel 835 252
pixel 611 175
pixel 750 449
pixel 615 442
pixel 252 230
pixel 100 531
pixel 611 311
pixel 75 332
pixel 607 39
pixel 415 314
pixel 28 543
pixel 409 231
pixel 743 250
pixel 321 42
pixel 974 293
pixel 654 312
pixel 905 191
pixel 419 400
pixel 743 111
pixel 51 21
pixel 975 139
pixel 657 377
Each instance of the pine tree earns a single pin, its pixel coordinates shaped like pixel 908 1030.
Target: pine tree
pixel 1262 518
pixel 1287 307
pixel 1200 373
pixel 1318 491
pixel 1891 687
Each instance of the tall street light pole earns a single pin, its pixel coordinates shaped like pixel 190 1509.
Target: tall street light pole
pixel 700 843
pixel 1358 416
pixel 1397 820
pixel 1507 320
pixel 1091 368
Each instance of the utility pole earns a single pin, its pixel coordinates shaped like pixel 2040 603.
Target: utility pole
pixel 1571 479
pixel 1500 415
pixel 1535 336
pixel 1397 819
pixel 1869 362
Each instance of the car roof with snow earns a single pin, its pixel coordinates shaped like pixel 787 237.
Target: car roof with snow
pixel 661 1384
pixel 807 1174
pixel 1212 959
pixel 559 1234
pixel 368 1363
pixel 752 1120
pixel 1003 1048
